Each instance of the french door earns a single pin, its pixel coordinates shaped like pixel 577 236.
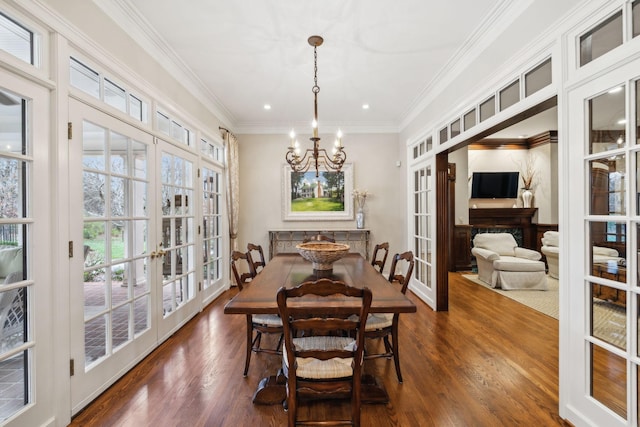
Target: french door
pixel 132 226
pixel 421 220
pixel 600 265
pixel 26 286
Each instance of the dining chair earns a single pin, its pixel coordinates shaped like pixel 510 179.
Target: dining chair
pixel 260 323
pixel 328 362
pixel 380 263
pixel 258 262
pixel 385 325
pixel 319 238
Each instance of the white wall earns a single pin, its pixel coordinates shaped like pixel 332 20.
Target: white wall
pixel 545 185
pixel 374 158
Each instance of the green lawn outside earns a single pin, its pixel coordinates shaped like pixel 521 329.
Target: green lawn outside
pixel 117 248
pixel 316 205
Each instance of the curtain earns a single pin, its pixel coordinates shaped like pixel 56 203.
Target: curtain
pixel 232 183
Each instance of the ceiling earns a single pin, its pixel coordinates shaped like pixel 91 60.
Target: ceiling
pixel 247 53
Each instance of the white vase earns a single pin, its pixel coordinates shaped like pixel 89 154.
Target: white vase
pixel 360 218
pixel 527 198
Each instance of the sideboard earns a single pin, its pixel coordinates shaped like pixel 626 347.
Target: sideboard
pixel 285 241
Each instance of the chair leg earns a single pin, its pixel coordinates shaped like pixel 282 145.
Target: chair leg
pixel 396 355
pixel 292 405
pixel 249 344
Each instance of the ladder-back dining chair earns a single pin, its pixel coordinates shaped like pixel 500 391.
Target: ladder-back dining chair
pixel 257 260
pixel 385 325
pixel 377 263
pixel 325 363
pixel 258 323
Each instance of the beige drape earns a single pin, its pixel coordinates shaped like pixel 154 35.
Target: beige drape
pixel 232 184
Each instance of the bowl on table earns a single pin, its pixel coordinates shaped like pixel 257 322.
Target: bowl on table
pixel 322 254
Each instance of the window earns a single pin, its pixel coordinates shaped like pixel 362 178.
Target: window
pixel 635 11
pixel 487 108
pixel 176 130
pixel 16 39
pixel 538 78
pixel 469 119
pixel 105 89
pixel 211 150
pixel 422 147
pixel 601 39
pixel 444 135
pixel 510 95
pixel 455 128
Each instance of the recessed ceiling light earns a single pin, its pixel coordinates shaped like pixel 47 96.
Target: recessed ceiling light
pixel 522 136
pixel 365 106
pixel 622 121
pixel 267 107
pixel 616 89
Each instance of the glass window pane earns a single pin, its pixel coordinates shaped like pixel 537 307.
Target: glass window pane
pixel 636 18
pixel 84 78
pixel 609 379
pixel 95 339
pixel 538 78
pixel 12 184
pixel 608 252
pixel 608 315
pixel 455 128
pixel 135 108
pixel 510 95
pixel 601 39
pixel 444 135
pixel 164 124
pixel 93 142
pixel 94 186
pixel 607 119
pixel 141 314
pixel 470 119
pixel 12 111
pixel 15 39
pixel 487 108
pixel 608 186
pixel 118 153
pixel 115 96
pixel 637 125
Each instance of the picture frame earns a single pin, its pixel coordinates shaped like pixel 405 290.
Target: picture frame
pixel 300 191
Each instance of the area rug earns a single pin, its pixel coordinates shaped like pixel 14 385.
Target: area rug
pixel 543 301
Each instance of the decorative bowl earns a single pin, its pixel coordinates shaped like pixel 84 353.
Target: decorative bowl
pixel 322 254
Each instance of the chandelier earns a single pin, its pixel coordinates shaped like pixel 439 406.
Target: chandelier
pixel 316 156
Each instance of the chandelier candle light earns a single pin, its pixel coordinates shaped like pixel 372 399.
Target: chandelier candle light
pixel 316 156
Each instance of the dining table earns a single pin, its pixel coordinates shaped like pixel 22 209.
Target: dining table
pixel 290 270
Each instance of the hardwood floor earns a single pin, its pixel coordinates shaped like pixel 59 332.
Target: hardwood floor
pixel 488 361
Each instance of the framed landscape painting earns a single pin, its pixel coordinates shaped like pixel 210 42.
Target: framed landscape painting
pixel 328 196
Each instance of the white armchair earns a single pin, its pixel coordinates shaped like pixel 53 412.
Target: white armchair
pixel 502 264
pixel 550 249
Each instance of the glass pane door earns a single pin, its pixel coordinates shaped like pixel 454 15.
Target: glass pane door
pixel 110 173
pixel 177 240
pixel 212 203
pixel 16 345
pixel 601 258
pixel 421 222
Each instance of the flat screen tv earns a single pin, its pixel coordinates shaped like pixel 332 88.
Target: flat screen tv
pixel 494 185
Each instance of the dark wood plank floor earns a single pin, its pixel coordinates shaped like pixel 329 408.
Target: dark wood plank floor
pixel 488 361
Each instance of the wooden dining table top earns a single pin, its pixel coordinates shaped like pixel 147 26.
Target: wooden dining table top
pixel 289 270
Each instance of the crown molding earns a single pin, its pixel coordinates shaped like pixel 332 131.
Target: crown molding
pixel 127 17
pixel 489 30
